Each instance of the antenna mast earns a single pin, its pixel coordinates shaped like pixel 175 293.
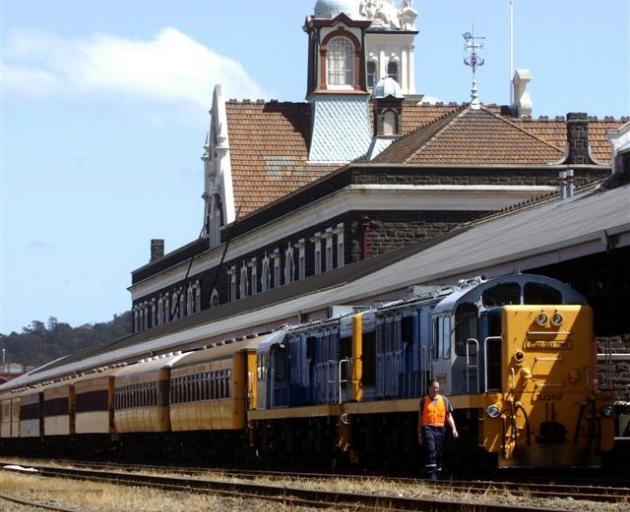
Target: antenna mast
pixel 511 51
pixel 473 44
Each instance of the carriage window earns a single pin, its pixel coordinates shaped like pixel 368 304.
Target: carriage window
pixel 502 295
pixel 465 327
pixel 536 293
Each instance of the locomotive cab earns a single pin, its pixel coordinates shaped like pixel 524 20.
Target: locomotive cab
pixel 520 348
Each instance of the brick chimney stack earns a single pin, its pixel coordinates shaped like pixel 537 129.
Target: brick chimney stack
pixel 577 139
pixel 157 249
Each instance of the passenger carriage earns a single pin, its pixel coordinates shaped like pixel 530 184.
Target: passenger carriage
pixel 142 396
pixel 210 390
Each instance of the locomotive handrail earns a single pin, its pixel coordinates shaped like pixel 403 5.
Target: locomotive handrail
pixel 485 359
pixel 470 341
pixel 548 332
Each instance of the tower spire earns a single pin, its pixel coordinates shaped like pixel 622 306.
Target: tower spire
pixel 473 44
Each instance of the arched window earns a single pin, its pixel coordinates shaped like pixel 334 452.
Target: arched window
pixel 340 61
pixel 243 282
pixel 392 70
pixel 265 278
pixel 214 298
pixel 289 266
pixel 189 300
pixel 389 123
pixel 197 305
pixel 372 77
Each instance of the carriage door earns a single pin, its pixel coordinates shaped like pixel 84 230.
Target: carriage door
pixel 441 352
pixel 466 367
pixel 490 333
pixel 490 325
pixel 264 388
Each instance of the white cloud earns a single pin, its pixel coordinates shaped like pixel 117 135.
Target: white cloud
pixel 171 67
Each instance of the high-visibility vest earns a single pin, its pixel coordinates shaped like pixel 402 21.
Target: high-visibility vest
pixel 434 412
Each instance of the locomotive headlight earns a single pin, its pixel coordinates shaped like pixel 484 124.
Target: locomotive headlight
pixel 493 411
pixel 542 319
pixel 607 411
pixel 557 319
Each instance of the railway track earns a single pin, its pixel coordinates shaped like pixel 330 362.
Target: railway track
pixel 33 503
pixel 613 490
pixel 297 489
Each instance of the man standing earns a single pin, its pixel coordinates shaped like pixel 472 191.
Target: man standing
pixel 435 411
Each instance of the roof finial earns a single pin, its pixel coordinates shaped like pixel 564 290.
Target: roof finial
pixel 473 44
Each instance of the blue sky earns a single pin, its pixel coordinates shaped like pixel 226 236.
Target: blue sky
pixel 104 112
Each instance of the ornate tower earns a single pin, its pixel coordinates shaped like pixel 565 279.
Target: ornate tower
pixel 389 42
pixel 336 87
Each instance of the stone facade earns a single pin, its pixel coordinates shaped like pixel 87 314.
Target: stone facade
pixel 360 234
pixel 614 372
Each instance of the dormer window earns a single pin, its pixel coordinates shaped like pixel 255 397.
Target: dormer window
pixel 390 123
pixel 340 62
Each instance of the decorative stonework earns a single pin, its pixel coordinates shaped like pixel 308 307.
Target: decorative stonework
pixel 385 15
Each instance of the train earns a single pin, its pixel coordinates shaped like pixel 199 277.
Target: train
pixel 515 355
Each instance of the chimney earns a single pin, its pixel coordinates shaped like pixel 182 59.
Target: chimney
pixel 522 100
pixel 157 249
pixel 567 187
pixel 620 141
pixel 578 150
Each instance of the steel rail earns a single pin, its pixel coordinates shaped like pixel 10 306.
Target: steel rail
pixel 282 492
pixel 585 489
pixel 36 504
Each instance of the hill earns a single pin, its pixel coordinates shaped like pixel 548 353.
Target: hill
pixel 42 342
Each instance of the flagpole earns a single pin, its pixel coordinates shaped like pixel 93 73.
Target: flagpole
pixel 511 50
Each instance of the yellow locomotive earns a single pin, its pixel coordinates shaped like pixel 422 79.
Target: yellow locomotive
pixel 515 355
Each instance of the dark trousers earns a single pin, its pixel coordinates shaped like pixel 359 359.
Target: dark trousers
pixel 433 440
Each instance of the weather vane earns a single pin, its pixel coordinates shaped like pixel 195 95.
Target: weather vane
pixel 473 44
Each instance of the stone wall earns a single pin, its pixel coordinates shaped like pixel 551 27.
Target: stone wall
pixel 613 374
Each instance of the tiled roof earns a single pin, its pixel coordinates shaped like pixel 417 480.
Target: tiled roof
pixel 475 137
pixel 416 116
pixel 555 132
pixel 269 151
pixel 270 144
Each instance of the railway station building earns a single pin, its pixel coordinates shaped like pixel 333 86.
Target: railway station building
pixel 365 167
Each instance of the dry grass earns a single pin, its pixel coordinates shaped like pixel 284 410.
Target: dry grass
pixel 98 497
pixel 107 497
